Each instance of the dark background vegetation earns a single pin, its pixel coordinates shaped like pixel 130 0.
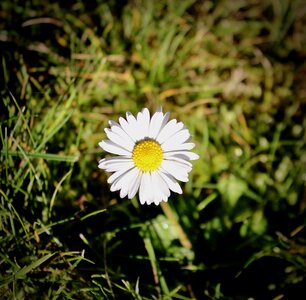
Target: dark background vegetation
pixel 233 71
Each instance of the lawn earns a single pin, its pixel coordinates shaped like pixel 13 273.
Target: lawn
pixel 233 72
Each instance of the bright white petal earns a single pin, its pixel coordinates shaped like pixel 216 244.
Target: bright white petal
pixel 177 139
pixel 143 122
pixel 145 195
pixel 122 182
pixel 134 127
pixel 155 124
pixel 157 201
pixel 117 174
pixel 116 128
pixel 114 165
pixel 111 147
pixel 162 185
pixel 185 146
pixel 175 169
pixel 165 121
pixel 183 164
pixel 160 189
pixel 169 129
pixel 181 161
pixel 157 195
pixel 171 182
pixel 117 184
pixel 131 178
pixel 104 162
pixel 118 167
pixel 128 128
pixel 135 185
pixel 182 154
pixel 146 113
pixel 119 140
pixel 130 118
pixel 122 123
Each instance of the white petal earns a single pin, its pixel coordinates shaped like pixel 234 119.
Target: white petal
pixel 165 121
pixel 130 118
pixel 159 188
pixel 127 128
pixel 116 128
pixel 104 162
pixel 135 185
pixel 158 200
pixel 114 166
pixel 157 195
pixel 155 124
pixel 117 184
pixel 119 139
pixel 163 185
pixel 182 154
pixel 137 130
pixel 145 195
pixel 131 178
pixel 182 162
pixel 118 167
pixel 177 139
pixel 169 129
pixel 111 147
pixel 143 122
pixel 171 182
pixel 146 113
pixel 117 174
pixel 122 182
pixel 175 169
pixel 185 146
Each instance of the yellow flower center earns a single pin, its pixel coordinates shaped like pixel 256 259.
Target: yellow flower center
pixel 147 155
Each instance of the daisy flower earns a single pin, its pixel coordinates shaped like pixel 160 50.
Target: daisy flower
pixel 151 155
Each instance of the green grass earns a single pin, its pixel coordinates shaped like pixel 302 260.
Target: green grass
pixel 233 72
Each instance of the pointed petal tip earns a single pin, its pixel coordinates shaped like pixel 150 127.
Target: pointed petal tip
pixel 163 200
pixel 142 201
pixel 159 201
pixel 195 156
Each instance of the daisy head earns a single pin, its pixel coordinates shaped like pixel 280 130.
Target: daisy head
pixel 151 155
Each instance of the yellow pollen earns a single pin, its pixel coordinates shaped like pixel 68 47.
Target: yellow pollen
pixel 147 155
